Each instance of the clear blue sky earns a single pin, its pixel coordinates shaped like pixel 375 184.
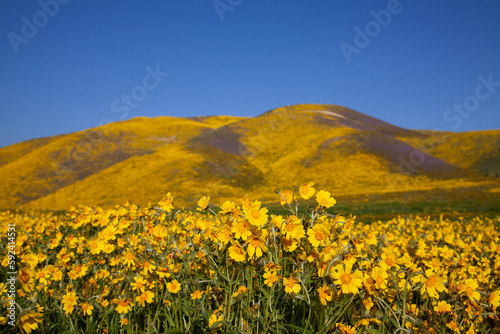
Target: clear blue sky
pixel 76 70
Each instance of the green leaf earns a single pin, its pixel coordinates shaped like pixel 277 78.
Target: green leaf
pixel 374 331
pixel 215 325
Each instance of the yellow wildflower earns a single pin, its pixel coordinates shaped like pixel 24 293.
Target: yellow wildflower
pixel 145 297
pixel 324 199
pixel 433 284
pixel 350 282
pixel 203 203
pixel 174 286
pixel 306 190
pixel 236 252
pixel 291 285
pixel 325 294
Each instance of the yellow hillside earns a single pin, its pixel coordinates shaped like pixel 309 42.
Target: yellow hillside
pixel 475 150
pixel 141 159
pixel 71 158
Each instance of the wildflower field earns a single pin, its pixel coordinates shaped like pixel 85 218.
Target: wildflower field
pixel 233 267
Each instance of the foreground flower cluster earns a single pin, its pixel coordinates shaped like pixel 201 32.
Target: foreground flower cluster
pixel 238 269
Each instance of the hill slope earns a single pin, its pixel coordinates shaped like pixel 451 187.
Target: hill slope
pixel 226 157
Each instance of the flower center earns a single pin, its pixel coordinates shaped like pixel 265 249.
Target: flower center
pixel 25 277
pixel 389 261
pixel 255 214
pixel 431 282
pixel 346 278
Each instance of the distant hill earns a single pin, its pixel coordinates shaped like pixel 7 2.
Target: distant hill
pixel 344 151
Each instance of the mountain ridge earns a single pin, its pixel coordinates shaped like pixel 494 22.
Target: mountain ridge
pixel 141 159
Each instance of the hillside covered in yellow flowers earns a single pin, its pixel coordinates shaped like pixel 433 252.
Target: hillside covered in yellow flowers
pixel 354 155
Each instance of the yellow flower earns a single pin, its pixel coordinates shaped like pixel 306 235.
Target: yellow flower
pixel 145 297
pixel 123 306
pixel 196 294
pixel 348 281
pixel 174 286
pixel 203 203
pixel 379 276
pixel 323 198
pixel 57 275
pixel 123 322
pixel 69 301
pixel 129 258
pixel 241 290
pixel 366 322
pixel 256 215
pixel 256 247
pixel 43 276
pixel 147 267
pixel 294 228
pixel 27 279
pixel 469 288
pixel 96 246
pixel 241 229
pixel 494 299
pixel 29 321
pixel 319 235
pixel 87 308
pixel 390 259
pixel 368 303
pixel 236 252
pixel 346 329
pixel 432 284
pixel 270 277
pixel 289 244
pixel 325 294
pixel 139 284
pixel 291 285
pixel 163 272
pixel 453 326
pixel 329 252
pixel 442 307
pixel 276 220
pixel 166 203
pixel 214 319
pixel 228 207
pixel 306 190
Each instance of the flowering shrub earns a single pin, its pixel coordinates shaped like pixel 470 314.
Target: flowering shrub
pixel 237 269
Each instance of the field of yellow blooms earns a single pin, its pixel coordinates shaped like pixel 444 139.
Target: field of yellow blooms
pixel 238 269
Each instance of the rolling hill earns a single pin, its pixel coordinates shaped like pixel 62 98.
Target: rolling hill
pixel 349 153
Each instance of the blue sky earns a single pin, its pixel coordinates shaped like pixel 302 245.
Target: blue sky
pixel 90 62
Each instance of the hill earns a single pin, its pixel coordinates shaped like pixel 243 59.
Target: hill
pixel 352 154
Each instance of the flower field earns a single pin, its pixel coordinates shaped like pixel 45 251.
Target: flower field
pixel 236 268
